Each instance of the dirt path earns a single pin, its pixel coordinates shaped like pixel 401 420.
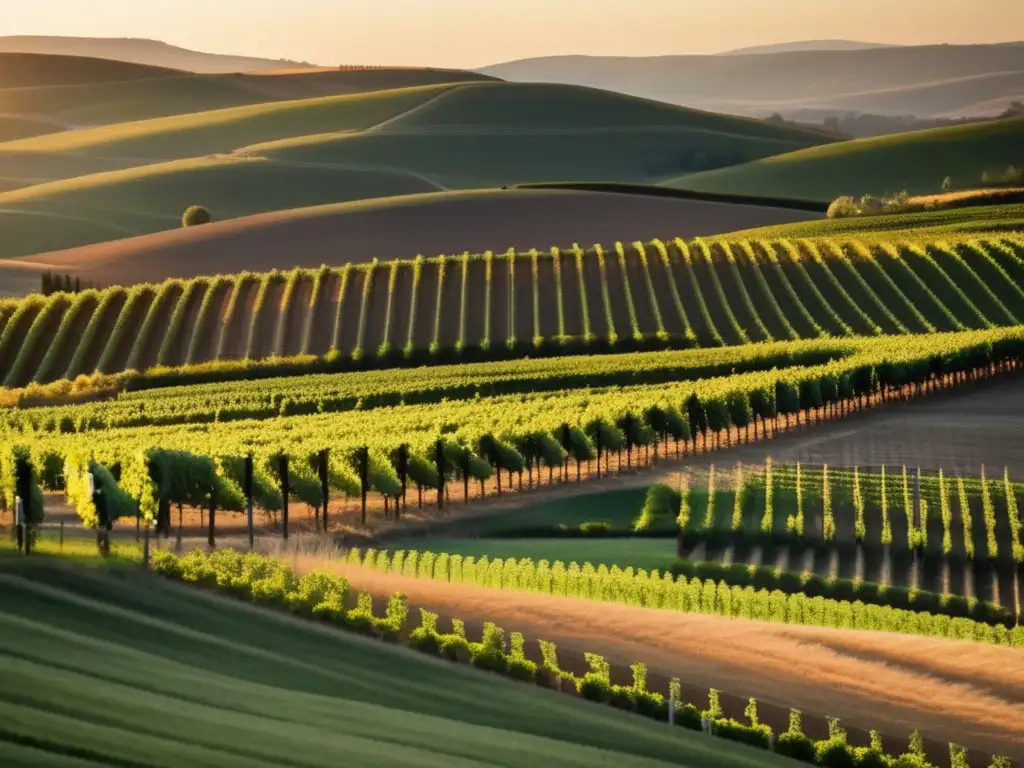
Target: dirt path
pixel 967 693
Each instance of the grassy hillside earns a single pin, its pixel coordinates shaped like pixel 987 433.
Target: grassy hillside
pixel 923 225
pixel 21 70
pixel 387 227
pixel 917 162
pixel 147 52
pixel 761 83
pixel 82 91
pixel 316 151
pixel 15 128
pixel 495 134
pixel 705 293
pixel 204 681
pixel 221 131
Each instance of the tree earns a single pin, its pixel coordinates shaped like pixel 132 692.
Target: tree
pixel 196 215
pixel 947 184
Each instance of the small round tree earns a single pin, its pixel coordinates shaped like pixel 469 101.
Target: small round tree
pixel 195 215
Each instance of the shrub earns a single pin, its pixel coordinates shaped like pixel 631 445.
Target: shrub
pixel 522 669
pixel 167 563
pixel 835 753
pixel 195 215
pixel 454 647
pixel 755 735
pixel 594 528
pixel 593 687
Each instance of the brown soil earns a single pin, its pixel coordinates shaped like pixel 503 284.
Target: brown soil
pixel 157 330
pixel 426 306
pixel 207 335
pixel 133 318
pixel 451 222
pixel 50 324
pixel 963 692
pixel 351 305
pixel 595 297
pixel 234 327
pixel 571 299
pixel 178 349
pixel 617 291
pixel 642 297
pixel 324 311
pixel 686 284
pixel 660 277
pixel 841 303
pixel 771 318
pixel 476 301
pixel 260 341
pixel 522 297
pixel 295 322
pixel 733 287
pixel 401 307
pixel 105 325
pixel 548 295
pixel 451 306
pixel 18 331
pixel 718 311
pixel 499 301
pixel 377 308
pixel 63 358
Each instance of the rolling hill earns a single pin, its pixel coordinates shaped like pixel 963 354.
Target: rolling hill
pixel 205 681
pixel 81 91
pixel 386 228
pixel 706 293
pixel 137 178
pixel 761 83
pixel 916 161
pixel 806 45
pixel 139 51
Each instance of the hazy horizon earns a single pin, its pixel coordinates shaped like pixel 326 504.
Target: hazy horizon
pixel 457 33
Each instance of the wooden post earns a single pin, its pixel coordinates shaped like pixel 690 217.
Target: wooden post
pixel 145 548
pixel 403 478
pixel 247 483
pixel 283 472
pixel 212 539
pixel 61 535
pixel 465 475
pixel 324 484
pixel 439 463
pixel 364 479
pixel 917 509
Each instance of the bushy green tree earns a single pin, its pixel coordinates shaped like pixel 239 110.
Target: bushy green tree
pixel 195 215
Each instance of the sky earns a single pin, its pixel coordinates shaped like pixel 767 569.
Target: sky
pixel 474 33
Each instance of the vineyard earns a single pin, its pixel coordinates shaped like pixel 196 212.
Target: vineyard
pixel 899 532
pixel 393 449
pixel 480 306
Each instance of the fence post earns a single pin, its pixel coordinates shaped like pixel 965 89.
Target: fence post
pixel 324 484
pixel 283 471
pixel 672 708
pixel 61 535
pixel 364 480
pixel 212 539
pixel 248 497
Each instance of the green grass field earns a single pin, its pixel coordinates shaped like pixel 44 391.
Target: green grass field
pixel 638 553
pixel 138 177
pixel 152 198
pixel 107 667
pixel 916 162
pixel 921 225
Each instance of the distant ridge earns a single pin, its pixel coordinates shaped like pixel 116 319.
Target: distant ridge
pixel 807 45
pixel 938 80
pixel 141 51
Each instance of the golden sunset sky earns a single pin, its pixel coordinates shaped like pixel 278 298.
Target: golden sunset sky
pixel 474 33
